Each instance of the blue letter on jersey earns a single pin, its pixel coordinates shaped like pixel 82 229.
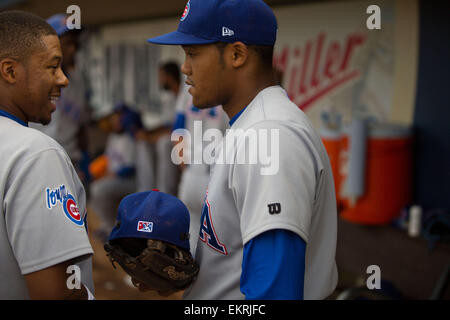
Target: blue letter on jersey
pixel 207 232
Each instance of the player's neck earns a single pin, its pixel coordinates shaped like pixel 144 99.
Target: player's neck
pixel 13 110
pixel 243 95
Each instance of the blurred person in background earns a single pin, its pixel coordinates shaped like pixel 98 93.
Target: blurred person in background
pixel 167 174
pixel 118 177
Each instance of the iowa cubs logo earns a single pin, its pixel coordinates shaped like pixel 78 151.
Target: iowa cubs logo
pixel 207 233
pixel 186 11
pixel 71 210
pixel 60 195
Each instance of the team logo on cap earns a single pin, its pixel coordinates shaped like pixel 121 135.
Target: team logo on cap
pixel 145 226
pixel 71 210
pixel 186 11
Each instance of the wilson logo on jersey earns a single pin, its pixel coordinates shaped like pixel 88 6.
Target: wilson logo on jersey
pixel 207 233
pixel 274 208
pixel 145 226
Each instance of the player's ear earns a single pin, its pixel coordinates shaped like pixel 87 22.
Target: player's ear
pixel 8 70
pixel 239 54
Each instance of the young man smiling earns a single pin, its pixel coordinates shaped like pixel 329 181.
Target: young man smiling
pixel 261 236
pixel 42 226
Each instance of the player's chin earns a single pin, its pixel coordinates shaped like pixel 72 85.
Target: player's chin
pixel 45 120
pixel 200 103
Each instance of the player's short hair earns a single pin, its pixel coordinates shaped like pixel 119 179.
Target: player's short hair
pixel 264 53
pixel 21 33
pixel 171 68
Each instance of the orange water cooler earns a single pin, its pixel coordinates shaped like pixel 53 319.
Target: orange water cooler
pixel 332 140
pixel 387 174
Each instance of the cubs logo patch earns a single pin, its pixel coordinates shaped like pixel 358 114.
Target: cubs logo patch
pixel 71 210
pixel 145 226
pixel 186 11
pixel 60 195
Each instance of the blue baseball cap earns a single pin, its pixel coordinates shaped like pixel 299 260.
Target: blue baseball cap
pixel 58 22
pixel 153 215
pixel 208 21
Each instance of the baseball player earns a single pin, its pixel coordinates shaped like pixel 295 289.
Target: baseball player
pixel 43 232
pixel 195 176
pixel 262 236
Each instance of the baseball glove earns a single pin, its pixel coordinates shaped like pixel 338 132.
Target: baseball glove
pixel 153 264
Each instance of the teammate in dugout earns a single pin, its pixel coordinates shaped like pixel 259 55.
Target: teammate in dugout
pixel 43 203
pixel 245 249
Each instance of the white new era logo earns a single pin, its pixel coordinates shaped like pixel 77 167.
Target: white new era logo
pixel 227 32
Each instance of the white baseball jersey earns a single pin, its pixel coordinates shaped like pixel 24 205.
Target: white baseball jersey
pixel 242 203
pixel 43 209
pixel 195 177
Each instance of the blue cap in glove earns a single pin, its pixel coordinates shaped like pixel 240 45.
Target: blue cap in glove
pixel 153 215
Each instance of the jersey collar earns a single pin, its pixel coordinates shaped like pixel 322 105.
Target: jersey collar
pixel 236 116
pixel 9 115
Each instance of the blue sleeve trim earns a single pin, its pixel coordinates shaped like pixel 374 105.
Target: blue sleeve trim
pixel 125 172
pixel 273 266
pixel 180 121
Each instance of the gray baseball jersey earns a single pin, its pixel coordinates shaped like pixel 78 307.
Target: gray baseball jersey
pixel 43 209
pixel 245 199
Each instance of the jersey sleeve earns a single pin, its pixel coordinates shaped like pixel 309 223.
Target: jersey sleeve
pixel 45 212
pixel 277 190
pixel 273 266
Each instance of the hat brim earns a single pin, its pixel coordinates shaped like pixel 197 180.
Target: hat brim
pixel 179 38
